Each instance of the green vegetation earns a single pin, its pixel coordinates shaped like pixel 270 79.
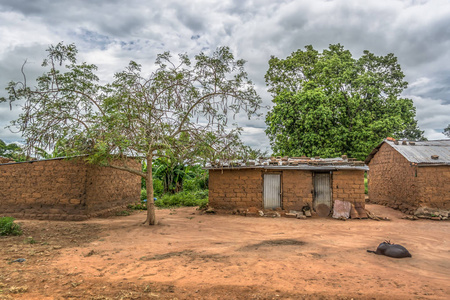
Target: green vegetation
pixel 191 184
pixel 330 103
pixel 123 213
pixel 12 151
pixel 183 198
pixel 447 131
pixel 30 240
pixel 8 227
pixel 366 184
pixel 197 198
pixel 143 194
pixel 155 116
pixel 170 175
pixel 176 185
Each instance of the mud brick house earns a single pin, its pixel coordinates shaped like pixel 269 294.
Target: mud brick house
pixel 408 175
pixel 59 189
pixel 287 184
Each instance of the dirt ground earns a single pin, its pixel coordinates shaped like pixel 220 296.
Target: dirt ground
pixel 194 256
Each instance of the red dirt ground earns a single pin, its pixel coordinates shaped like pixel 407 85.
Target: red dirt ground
pixel 194 256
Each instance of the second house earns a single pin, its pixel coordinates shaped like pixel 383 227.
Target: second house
pixel 287 184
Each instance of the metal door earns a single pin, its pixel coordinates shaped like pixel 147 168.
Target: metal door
pixel 322 194
pixel 272 191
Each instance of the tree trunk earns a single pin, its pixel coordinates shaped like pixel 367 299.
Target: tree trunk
pixel 151 217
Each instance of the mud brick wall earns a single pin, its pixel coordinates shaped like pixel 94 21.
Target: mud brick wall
pixel 51 189
pixel 239 188
pixel 392 180
pixel 434 187
pixel 297 187
pixel 348 185
pixel 230 189
pixel 108 189
pixel 59 190
pixel 5 160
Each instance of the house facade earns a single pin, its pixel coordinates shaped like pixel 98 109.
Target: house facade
pixel 287 184
pixel 408 175
pixel 59 189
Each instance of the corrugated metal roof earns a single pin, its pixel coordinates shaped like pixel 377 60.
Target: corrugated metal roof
pixel 422 152
pixel 435 152
pixel 301 167
pixel 293 163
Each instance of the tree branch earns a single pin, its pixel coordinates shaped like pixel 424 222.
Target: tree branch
pixel 127 169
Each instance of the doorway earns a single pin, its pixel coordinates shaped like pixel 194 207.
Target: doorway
pixel 272 191
pixel 322 194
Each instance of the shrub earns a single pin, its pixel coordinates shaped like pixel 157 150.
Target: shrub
pixel 202 194
pixel 190 185
pixel 197 198
pixel 123 213
pixel 8 227
pixel 138 206
pixel 195 184
pixel 158 187
pixel 143 194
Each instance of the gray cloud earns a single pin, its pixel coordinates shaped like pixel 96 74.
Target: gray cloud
pixel 110 33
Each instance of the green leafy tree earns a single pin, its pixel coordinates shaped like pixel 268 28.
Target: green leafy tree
pixel 411 132
pixel 329 103
pixel 447 131
pixel 9 150
pixel 59 150
pixel 135 115
pixel 12 151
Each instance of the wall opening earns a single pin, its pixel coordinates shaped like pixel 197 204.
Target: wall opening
pixel 272 191
pixel 322 194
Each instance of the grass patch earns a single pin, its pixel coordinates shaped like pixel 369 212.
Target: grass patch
pixel 196 198
pixel 184 198
pixel 29 240
pixel 8 227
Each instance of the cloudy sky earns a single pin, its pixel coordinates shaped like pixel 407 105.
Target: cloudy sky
pixel 109 33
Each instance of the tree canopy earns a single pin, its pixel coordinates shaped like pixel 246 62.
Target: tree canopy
pixel 330 103
pixel 10 150
pixel 447 131
pixel 181 107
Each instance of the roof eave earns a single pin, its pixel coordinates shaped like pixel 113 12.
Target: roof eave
pixel 302 168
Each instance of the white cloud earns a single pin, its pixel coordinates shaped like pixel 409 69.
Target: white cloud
pixel 432 115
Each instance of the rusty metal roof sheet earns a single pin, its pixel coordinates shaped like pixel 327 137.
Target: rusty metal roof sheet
pixel 293 163
pixel 435 152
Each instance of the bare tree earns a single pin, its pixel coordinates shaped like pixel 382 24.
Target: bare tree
pixel 180 106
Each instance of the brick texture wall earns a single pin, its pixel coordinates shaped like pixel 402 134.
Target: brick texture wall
pixel 393 181
pixel 5 160
pixel 63 190
pixel 231 189
pixel 297 189
pixel 107 188
pixel 348 185
pixel 433 187
pixel 243 188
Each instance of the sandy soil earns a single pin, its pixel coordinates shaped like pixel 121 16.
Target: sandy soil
pixel 194 256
